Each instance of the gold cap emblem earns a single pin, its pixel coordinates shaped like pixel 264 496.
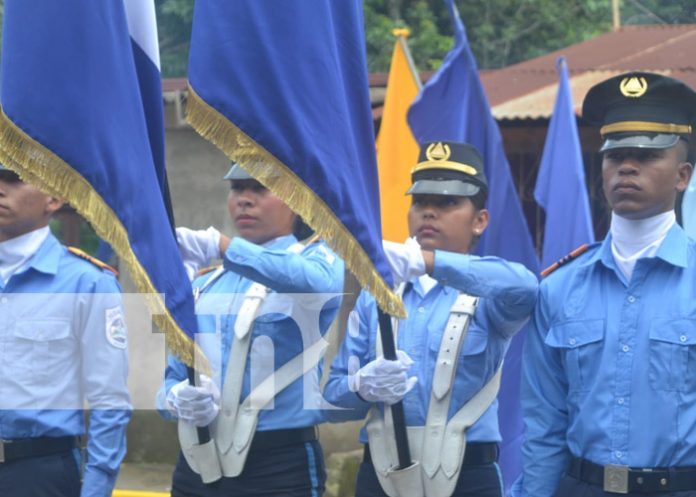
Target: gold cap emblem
pixel 437 152
pixel 633 87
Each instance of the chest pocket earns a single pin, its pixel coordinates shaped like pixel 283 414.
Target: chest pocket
pixel 40 349
pixel 672 354
pixel 580 343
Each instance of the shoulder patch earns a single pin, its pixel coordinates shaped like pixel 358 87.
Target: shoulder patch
pixel 565 260
pixel 84 255
pixel 206 270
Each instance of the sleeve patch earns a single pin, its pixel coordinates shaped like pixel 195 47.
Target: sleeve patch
pixel 116 333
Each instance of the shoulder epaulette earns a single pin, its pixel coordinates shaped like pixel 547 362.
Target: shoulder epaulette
pixel 206 270
pixel 84 255
pixel 565 260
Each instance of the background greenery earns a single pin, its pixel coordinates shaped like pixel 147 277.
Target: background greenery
pixel 501 32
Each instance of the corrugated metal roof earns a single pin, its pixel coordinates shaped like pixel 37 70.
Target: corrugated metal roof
pixel 527 90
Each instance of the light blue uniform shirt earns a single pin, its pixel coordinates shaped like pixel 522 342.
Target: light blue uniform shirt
pixel 61 349
pixel 609 368
pixel 315 270
pixel 508 292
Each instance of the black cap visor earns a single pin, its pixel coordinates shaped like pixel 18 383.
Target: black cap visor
pixel 443 187
pixel 653 140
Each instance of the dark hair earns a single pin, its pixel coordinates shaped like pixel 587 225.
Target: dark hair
pixel 301 230
pixel 479 200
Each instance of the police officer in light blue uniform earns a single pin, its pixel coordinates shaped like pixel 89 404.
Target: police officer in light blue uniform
pixel 446 218
pixel 63 342
pixel 284 457
pixel 609 390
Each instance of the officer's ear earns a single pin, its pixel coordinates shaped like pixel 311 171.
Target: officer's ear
pixel 53 204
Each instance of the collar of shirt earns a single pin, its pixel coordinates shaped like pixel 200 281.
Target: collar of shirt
pixel 16 252
pixel 632 236
pixel 282 242
pixel 673 250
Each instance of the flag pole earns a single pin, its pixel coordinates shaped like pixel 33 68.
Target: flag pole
pixel 397 410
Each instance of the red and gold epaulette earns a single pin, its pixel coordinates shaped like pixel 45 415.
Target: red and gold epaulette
pixel 84 255
pixel 206 270
pixel 565 260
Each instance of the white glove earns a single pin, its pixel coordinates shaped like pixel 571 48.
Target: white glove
pixel 405 259
pixel 197 248
pixel 195 405
pixel 382 380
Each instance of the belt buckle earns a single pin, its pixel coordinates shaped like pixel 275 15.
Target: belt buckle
pixel 616 478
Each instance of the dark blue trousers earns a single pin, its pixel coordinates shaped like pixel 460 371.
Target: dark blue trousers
pixel 572 487
pixel 46 476
pixel 474 481
pixel 292 471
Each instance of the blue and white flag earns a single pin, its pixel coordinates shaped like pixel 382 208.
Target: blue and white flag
pixel 282 89
pixel 560 186
pixel 453 106
pixel 82 119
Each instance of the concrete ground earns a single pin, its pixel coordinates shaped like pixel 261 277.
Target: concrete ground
pixel 150 477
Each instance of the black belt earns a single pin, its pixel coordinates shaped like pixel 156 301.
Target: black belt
pixel 21 448
pixel 476 454
pixel 622 479
pixel 271 439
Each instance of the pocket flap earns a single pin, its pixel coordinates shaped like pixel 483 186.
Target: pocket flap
pixel 42 330
pixel 680 331
pixel 574 334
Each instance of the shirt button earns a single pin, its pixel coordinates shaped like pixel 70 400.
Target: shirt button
pixel 631 299
pixel 625 348
pixel 682 338
pixel 421 310
pixel 620 401
pixel 619 454
pixel 572 341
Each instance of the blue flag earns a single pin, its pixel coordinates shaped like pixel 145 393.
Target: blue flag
pixel 281 88
pixel 560 186
pixel 82 119
pixel 453 106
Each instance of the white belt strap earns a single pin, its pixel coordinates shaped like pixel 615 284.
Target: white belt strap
pixel 464 418
pixel 453 337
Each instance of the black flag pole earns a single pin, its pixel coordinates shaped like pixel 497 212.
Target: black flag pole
pixel 203 432
pixel 397 410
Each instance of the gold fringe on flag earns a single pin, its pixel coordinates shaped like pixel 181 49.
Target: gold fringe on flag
pixel 241 148
pixel 39 166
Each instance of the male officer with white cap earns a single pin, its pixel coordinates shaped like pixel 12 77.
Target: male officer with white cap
pixel 609 385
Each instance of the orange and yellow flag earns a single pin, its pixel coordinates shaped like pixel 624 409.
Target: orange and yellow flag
pixel 397 149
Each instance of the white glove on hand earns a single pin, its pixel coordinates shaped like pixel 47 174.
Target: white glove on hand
pixel 382 380
pixel 197 248
pixel 195 405
pixel 405 260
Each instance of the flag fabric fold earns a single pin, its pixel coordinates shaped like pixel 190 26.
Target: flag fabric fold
pixel 453 106
pixel 560 187
pixel 82 120
pixel 281 88
pixel 397 149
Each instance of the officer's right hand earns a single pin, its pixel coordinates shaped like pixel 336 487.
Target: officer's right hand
pixel 382 380
pixel 195 405
pixel 405 259
pixel 198 248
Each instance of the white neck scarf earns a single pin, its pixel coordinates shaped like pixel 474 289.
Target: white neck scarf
pixel 16 252
pixel 633 239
